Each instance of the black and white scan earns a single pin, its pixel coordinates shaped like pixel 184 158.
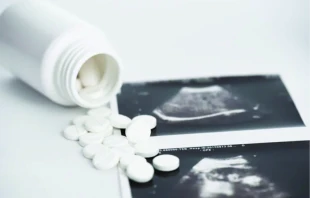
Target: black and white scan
pixel 211 104
pixel 201 104
pixel 267 170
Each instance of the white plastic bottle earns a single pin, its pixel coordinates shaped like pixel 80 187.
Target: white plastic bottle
pixel 46 47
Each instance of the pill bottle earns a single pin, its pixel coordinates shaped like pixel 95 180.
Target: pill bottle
pixel 46 47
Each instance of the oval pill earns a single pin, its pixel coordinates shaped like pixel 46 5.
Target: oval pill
pixel 80 120
pixel 128 159
pixel 124 150
pixel 108 131
pixel 100 112
pixel 140 171
pixel 95 126
pixel 119 121
pixel 148 119
pixel 146 149
pixel 90 150
pixel 89 73
pixel 91 92
pixel 104 160
pixel 166 162
pixel 138 132
pixel 115 141
pixel 73 132
pixel 91 138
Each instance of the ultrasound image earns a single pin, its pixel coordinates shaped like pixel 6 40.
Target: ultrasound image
pixel 211 104
pixel 193 104
pixel 267 170
pixel 226 177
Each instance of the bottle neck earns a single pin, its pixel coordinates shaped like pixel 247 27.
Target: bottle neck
pixel 70 64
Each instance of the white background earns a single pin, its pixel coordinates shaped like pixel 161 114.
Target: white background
pixel 156 39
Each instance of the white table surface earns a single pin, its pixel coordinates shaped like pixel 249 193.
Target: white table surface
pixel 156 39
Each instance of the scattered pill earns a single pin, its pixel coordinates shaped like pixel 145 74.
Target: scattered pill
pixel 124 150
pixel 148 119
pixel 116 131
pixel 146 149
pixel 140 171
pixel 91 138
pixel 106 159
pixel 128 159
pixel 107 147
pixel 95 126
pixel 119 121
pixel 73 132
pixel 78 84
pixel 108 131
pixel 100 112
pixel 80 120
pixel 89 73
pixel 166 162
pixel 138 132
pixel 90 150
pixel 115 141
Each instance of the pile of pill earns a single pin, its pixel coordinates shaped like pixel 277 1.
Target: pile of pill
pixel 96 133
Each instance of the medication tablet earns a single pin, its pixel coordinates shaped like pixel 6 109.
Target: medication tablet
pixel 115 141
pixel 140 171
pixel 146 149
pixel 91 92
pixel 104 160
pixel 89 73
pixel 95 126
pixel 128 159
pixel 148 119
pixel 124 150
pixel 138 132
pixel 91 138
pixel 80 120
pixel 166 162
pixel 119 121
pixel 116 131
pixel 100 112
pixel 108 131
pixel 90 150
pixel 73 132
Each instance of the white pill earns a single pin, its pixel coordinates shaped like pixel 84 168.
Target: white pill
pixel 146 149
pixel 124 150
pixel 140 171
pixel 115 141
pixel 73 132
pixel 116 131
pixel 108 131
pixel 138 132
pixel 128 159
pixel 78 84
pixel 80 120
pixel 91 138
pixel 89 73
pixel 89 151
pixel 95 126
pixel 119 121
pixel 148 119
pixel 100 112
pixel 106 159
pixel 91 92
pixel 166 162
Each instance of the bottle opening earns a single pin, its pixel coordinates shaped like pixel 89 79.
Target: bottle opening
pixel 97 81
